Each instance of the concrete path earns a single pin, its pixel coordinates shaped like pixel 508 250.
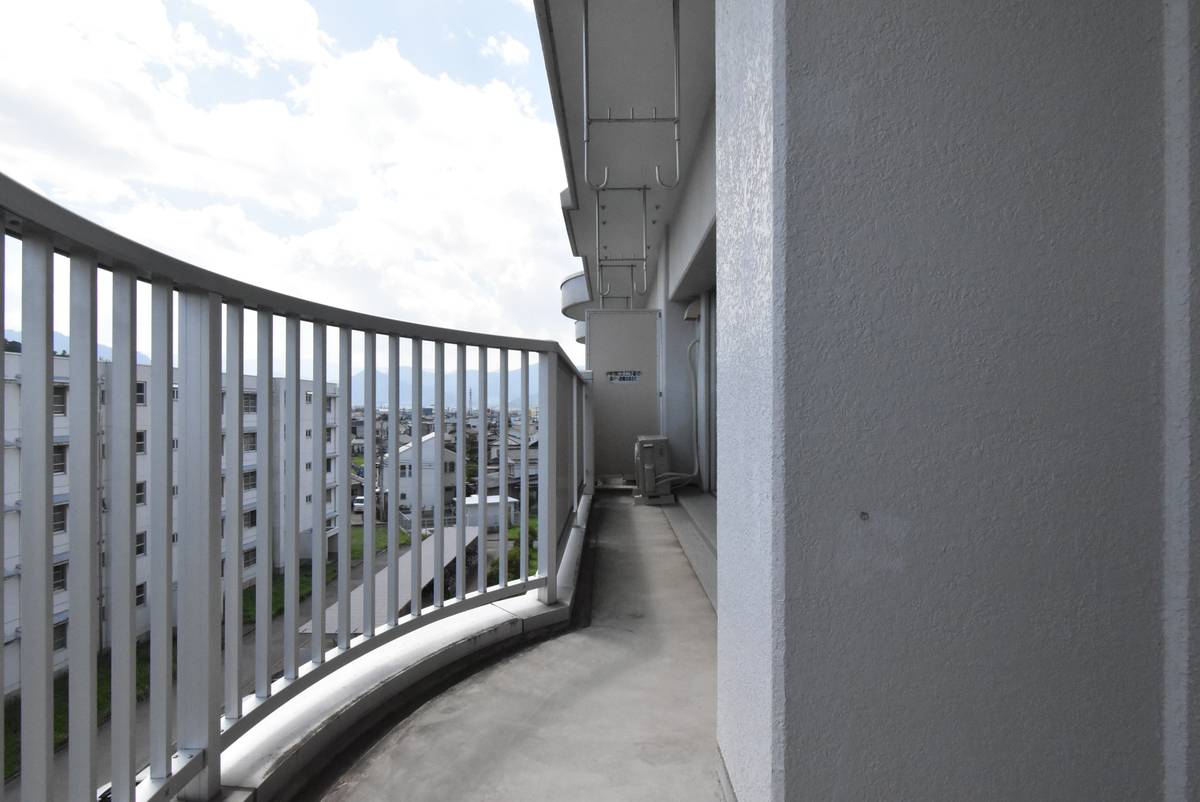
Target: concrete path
pixel 620 710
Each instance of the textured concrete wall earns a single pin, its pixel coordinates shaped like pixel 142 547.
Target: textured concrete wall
pixel 950 338
pixel 750 579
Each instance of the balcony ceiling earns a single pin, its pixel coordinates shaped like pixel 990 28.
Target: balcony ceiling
pixel 630 66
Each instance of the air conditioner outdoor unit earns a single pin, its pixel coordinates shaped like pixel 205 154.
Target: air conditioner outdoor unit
pixel 649 466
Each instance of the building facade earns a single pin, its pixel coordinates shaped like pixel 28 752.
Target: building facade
pixel 255 493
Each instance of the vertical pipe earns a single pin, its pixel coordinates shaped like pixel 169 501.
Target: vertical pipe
pixel 575 450
pixel 162 502
pixel 368 522
pixel 482 490
pixel 393 480
pixel 290 540
pixel 83 522
pixel 548 414
pixel 460 477
pixel 122 519
pixel 264 515
pixel 502 493
pixel 341 464
pixel 439 471
pixel 524 465
pixel 199 538
pixel 320 353
pixel 589 449
pixel 416 585
pixel 234 366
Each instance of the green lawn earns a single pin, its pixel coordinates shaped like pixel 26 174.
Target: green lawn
pixel 12 706
pixel 514 554
pixel 356 553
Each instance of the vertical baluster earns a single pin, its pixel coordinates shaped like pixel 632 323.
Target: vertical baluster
pixel 199 537
pixel 318 494
pixel 482 492
pixel 342 474
pixel 85 763
pixel 393 480
pixel 547 473
pixel 524 465
pixel 460 478
pixel 121 532
pixel 289 543
pixel 161 481
pixel 37 432
pixel 418 477
pixel 83 519
pixel 439 471
pixel 368 518
pixel 264 514
pixel 502 494
pixel 234 366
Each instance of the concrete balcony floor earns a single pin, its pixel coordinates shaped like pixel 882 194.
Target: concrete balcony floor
pixel 622 709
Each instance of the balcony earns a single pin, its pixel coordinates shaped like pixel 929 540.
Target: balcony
pixel 223 701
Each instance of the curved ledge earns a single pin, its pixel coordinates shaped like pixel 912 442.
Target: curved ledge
pixel 302 735
pixel 576 295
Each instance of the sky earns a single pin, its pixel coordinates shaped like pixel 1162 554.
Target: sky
pixel 396 158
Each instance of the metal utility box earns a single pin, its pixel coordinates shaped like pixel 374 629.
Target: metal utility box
pixel 622 353
pixel 650 461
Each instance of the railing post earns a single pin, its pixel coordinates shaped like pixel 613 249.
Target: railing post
pixel 37 488
pixel 162 476
pixel 548 475
pixel 199 537
pixel 83 639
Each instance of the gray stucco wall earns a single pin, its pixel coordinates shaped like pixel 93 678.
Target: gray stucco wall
pixel 947 354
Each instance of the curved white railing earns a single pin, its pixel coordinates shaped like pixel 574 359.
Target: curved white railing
pixel 193 602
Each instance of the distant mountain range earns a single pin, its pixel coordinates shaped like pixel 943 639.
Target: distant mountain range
pixel 62 344
pixel 451 388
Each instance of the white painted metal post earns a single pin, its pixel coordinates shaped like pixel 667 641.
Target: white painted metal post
pixel 319 547
pixel 481 491
pixel 161 487
pixel 368 522
pixel 83 522
pixel 393 481
pixel 264 539
pixel 460 477
pixel 37 432
pixel 199 538
pixel 122 520
pixel 342 474
pixel 234 366
pixel 437 457
pixel 548 417
pixel 524 465
pixel 290 540
pixel 418 476
pixel 502 493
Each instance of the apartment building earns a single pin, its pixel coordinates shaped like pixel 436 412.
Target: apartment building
pixel 250 472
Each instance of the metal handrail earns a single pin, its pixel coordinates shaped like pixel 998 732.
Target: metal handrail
pixel 68 231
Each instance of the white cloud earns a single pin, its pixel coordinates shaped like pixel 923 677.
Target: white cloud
pixel 509 50
pixel 525 4
pixel 370 185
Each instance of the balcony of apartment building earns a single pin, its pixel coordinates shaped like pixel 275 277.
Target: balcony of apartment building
pixel 949 310
pixel 562 628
